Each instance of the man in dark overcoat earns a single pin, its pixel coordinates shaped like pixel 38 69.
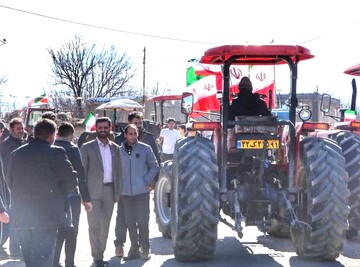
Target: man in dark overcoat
pixel 68 235
pixel 40 177
pixel 12 142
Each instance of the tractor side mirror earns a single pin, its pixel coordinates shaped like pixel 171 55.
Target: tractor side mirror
pixel 187 102
pixel 325 103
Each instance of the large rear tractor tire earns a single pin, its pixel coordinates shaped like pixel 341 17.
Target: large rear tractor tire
pixel 194 200
pixel 350 144
pixel 326 196
pixel 162 199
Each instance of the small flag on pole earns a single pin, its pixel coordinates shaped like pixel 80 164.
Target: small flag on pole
pixel 89 122
pixel 350 115
pixel 42 99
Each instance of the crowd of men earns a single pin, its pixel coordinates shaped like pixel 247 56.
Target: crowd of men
pixel 45 179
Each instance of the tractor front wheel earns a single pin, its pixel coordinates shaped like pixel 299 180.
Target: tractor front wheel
pixel 162 200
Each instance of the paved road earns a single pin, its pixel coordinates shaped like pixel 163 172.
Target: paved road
pixel 252 250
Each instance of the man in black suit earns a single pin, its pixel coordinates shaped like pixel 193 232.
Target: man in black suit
pixel 69 234
pixel 12 142
pixel 4 196
pixel 40 177
pixel 4 204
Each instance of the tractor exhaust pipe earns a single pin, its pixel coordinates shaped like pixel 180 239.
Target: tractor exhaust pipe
pixel 353 97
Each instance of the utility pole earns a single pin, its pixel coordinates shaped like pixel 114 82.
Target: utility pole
pixel 143 89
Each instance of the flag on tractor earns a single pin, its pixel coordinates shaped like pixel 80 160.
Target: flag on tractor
pixel 40 100
pixel 204 80
pixel 262 78
pixel 89 122
pixel 350 115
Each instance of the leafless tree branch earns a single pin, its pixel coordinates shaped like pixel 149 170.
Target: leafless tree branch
pixel 88 73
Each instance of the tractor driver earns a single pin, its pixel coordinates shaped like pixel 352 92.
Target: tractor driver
pixel 247 103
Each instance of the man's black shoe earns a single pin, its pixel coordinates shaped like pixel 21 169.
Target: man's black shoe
pixel 100 263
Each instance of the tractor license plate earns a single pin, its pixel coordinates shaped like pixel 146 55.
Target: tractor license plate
pixel 257 144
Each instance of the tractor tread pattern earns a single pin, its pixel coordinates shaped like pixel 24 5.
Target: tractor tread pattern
pixel 350 144
pixel 327 197
pixel 195 174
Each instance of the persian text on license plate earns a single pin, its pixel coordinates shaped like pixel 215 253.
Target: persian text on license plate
pixel 257 144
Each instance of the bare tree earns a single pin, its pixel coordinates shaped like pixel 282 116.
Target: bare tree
pixel 154 91
pixel 111 75
pixel 63 99
pixel 88 73
pixel 72 64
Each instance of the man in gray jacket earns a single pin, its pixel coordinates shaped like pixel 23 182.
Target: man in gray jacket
pixel 102 166
pixel 139 168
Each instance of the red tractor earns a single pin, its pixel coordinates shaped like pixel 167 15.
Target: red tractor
pixel 276 174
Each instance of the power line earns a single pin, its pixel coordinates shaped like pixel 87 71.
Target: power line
pixel 156 36
pixel 105 28
pixel 330 32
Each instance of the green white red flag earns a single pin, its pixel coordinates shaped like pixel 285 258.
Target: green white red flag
pixel 40 100
pixel 204 80
pixel 89 122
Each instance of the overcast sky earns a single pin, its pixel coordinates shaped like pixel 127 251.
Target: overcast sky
pixel 175 31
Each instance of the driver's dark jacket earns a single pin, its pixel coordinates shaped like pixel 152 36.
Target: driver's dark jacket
pixel 248 104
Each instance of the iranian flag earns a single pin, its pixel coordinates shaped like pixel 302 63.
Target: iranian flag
pixel 203 83
pixel 89 122
pixel 262 78
pixel 204 80
pixel 350 115
pixel 40 100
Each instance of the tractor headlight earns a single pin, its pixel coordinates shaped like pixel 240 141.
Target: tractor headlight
pixel 305 114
